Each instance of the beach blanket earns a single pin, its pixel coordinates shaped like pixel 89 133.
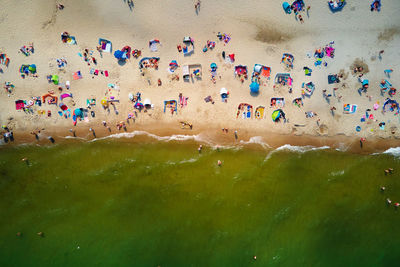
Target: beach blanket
pixel 208 99
pixel 77 75
pixel 19 104
pixel 183 101
pixel 349 108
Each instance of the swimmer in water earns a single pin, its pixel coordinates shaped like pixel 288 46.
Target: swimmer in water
pixel 388 201
pixel 219 163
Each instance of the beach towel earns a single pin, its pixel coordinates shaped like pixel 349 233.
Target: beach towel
pixel 183 101
pixel 208 99
pixel 77 75
pixel 349 108
pixel 19 104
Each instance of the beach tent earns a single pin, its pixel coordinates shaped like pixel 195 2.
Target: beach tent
pixel 283 79
pixel 333 79
pixel 171 105
pixel 185 72
pixel 254 87
pixel 153 45
pixel 260 70
pixel 259 114
pixel 194 69
pixel 246 110
pixel 277 115
pixel 308 88
pixel 106 45
pixel 288 60
pixel 147 59
pixel 392 105
pixel 188 47
pixel 277 102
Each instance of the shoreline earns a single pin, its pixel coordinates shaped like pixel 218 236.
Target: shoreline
pixel 209 136
pixel 254 38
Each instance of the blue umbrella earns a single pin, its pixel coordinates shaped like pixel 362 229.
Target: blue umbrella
pixel 78 113
pixel 213 66
pixel 119 54
pixel 254 87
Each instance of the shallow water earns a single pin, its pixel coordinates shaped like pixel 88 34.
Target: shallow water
pixel 126 203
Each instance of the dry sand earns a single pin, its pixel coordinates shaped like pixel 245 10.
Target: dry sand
pixel 261 32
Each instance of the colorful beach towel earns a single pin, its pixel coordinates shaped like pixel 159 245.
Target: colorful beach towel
pixel 349 108
pixel 77 75
pixel 19 104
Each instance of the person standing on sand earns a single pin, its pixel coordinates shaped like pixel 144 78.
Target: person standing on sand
pixel 93 132
pixel 197 7
pixel 236 135
pixel 362 141
pixel 380 54
pixel 73 132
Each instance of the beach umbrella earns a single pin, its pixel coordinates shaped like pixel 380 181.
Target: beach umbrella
pixel 32 68
pixel 147 102
pixel 63 106
pixel 276 115
pixel 78 112
pixel 213 66
pixel 286 7
pixel 119 54
pixel 54 79
pixel 254 87
pixel 173 63
pixel 104 102
pixel 223 91
pixel 138 105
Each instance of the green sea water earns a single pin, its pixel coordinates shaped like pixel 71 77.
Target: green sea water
pixel 144 203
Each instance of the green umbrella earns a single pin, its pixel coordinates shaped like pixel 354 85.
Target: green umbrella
pixel 32 68
pixel 276 115
pixel 54 79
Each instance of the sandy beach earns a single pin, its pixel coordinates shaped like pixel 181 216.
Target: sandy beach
pixel 260 33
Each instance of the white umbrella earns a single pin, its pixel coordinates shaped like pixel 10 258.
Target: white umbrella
pixel 223 91
pixel 147 102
